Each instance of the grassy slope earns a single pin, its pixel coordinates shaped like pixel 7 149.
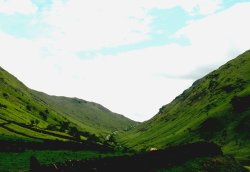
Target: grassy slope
pixel 22 109
pixel 91 115
pixel 203 112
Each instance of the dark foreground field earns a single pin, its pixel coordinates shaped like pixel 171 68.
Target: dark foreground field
pixel 15 155
pixel 199 156
pixel 20 161
pixel 193 157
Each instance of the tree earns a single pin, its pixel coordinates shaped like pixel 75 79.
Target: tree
pixel 43 115
pixel 74 132
pixel 32 122
pixel 51 127
pixel 93 138
pixel 5 95
pixel 64 126
pixel 3 106
pixel 37 121
pixel 28 107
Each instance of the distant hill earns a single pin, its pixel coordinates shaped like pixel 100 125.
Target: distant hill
pixel 215 108
pixel 29 115
pixel 88 114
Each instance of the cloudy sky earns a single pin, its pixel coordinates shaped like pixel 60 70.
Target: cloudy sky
pixel 132 56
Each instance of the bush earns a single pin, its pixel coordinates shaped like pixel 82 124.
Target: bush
pixel 6 95
pixel 32 122
pixel 240 103
pixel 43 115
pixel 3 106
pixel 244 126
pixel 51 127
pixel 212 84
pixel 73 131
pixel 229 88
pixel 93 138
pixel 64 126
pixel 209 127
pixel 37 121
pixel 28 107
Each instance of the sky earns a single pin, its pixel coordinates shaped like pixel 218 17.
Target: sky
pixel 131 56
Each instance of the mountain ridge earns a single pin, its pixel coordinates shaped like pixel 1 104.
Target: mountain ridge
pixel 208 110
pixel 23 109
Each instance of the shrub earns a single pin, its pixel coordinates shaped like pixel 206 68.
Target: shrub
pixel 244 126
pixel 37 121
pixel 212 84
pixel 209 127
pixel 51 127
pixel 43 115
pixel 240 103
pixel 64 126
pixel 32 122
pixel 93 138
pixel 28 107
pixel 3 106
pixel 5 95
pixel 229 88
pixel 161 110
pixel 73 131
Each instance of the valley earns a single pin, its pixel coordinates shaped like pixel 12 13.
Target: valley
pixel 55 130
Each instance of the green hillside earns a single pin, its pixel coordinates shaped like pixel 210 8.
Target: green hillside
pixel 29 115
pixel 88 114
pixel 215 108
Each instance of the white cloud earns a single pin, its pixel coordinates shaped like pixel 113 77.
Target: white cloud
pixel 220 36
pixel 89 25
pixel 203 7
pixel 135 83
pixel 193 7
pixel 85 25
pixel 20 57
pixel 17 6
pixel 128 83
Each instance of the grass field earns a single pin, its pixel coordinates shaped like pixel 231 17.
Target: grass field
pixel 19 162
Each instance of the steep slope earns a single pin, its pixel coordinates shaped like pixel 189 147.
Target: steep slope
pixel 215 108
pixel 29 115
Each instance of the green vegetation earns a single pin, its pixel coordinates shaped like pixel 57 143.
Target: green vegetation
pixel 92 116
pixel 13 162
pixel 247 167
pixel 215 108
pixel 218 164
pixel 29 115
